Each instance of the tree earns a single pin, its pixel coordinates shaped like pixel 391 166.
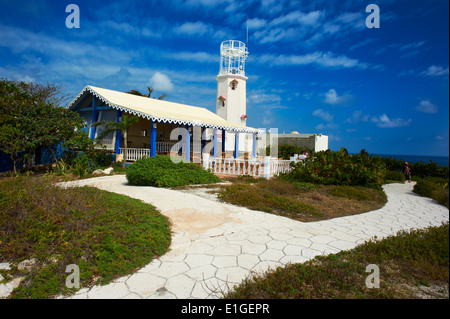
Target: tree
pixel 123 127
pixel 29 119
pixel 150 90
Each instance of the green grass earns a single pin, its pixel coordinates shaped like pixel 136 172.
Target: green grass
pixel 107 235
pixel 268 196
pixel 406 261
pixel 355 193
pixel 302 201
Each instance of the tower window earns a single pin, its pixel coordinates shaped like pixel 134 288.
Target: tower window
pixel 222 100
pixel 233 84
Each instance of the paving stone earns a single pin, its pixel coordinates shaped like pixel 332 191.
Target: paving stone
pixel 276 244
pixel 254 249
pixel 342 244
pixel 232 274
pixel 226 250
pixel 111 291
pixel 170 268
pixel 202 272
pixel 259 239
pixel 194 261
pixel 248 261
pixel 322 239
pixel 180 286
pixel 293 250
pixel 145 284
pixel 225 261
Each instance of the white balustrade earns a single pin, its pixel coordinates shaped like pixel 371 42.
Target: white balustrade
pixel 255 167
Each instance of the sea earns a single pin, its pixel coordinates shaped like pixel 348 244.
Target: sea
pixel 440 160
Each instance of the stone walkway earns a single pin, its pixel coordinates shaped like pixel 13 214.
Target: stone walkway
pixel 216 245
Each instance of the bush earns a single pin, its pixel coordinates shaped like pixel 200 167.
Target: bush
pixel 419 169
pixel 162 171
pixel 340 168
pixel 432 188
pixel 285 151
pixel 395 176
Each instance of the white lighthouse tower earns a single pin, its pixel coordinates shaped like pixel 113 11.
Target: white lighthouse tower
pixel 231 82
pixel 231 86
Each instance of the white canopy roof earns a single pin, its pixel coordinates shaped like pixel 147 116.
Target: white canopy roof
pixel 160 110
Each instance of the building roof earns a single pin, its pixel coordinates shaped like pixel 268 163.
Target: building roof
pixel 160 110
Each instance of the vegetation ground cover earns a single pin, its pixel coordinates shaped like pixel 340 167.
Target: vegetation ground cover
pixel 412 264
pixel 301 201
pixel 107 235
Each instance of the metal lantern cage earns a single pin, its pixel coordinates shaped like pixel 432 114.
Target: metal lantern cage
pixel 232 57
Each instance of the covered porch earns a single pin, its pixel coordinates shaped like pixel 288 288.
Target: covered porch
pixel 163 127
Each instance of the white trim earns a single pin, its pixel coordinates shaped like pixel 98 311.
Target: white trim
pixel 159 119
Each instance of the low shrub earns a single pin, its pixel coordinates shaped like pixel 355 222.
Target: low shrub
pixel 395 176
pixel 162 171
pixel 435 188
pixel 285 151
pixel 340 168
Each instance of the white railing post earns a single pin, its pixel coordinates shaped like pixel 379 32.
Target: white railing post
pixel 266 172
pixel 205 160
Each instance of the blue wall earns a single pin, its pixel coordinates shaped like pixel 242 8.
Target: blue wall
pixel 43 156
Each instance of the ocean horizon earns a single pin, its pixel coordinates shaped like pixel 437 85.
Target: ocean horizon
pixel 440 160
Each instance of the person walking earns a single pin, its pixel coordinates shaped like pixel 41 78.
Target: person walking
pixel 407 172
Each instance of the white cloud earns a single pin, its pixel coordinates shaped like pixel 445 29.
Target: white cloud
pixel 161 82
pixel 192 28
pixel 384 121
pixel 256 23
pixel 426 106
pixel 193 56
pixel 260 97
pixel 326 116
pixel 332 97
pixel 357 117
pixel 322 59
pixel 435 70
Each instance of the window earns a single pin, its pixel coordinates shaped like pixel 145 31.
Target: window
pixel 222 100
pixel 233 84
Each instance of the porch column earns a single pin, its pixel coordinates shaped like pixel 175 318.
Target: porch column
pixel 152 138
pixel 94 115
pixel 118 133
pixel 254 145
pixel 203 139
pixel 187 144
pixel 236 145
pixel 223 141
pixel 214 143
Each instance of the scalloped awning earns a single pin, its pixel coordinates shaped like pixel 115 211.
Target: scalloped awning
pixel 160 110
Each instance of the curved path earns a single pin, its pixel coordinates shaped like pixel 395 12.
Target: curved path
pixel 216 245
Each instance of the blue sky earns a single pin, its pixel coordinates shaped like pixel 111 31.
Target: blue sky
pixel 313 66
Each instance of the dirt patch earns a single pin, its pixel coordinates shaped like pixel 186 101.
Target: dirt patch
pixel 193 221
